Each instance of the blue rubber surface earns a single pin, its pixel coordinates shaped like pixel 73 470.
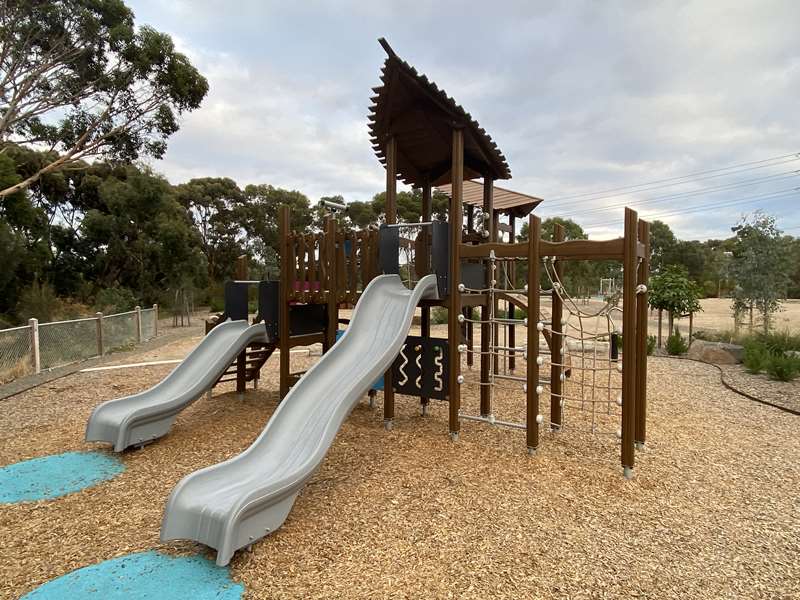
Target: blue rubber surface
pixel 57 475
pixel 144 576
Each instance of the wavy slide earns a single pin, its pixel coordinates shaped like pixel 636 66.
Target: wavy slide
pixel 230 505
pixel 148 415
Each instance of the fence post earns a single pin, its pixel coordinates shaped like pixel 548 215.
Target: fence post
pixel 100 349
pixel 35 359
pixel 155 320
pixel 138 311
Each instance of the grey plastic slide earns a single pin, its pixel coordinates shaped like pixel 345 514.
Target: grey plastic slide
pixel 230 505
pixel 148 415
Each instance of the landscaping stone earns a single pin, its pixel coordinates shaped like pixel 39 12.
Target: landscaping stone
pixel 718 353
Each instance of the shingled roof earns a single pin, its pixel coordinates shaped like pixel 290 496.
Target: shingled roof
pixel 421 116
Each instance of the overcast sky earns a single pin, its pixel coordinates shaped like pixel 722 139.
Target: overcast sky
pixel 581 97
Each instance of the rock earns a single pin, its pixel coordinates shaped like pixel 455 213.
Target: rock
pixel 718 353
pixel 795 353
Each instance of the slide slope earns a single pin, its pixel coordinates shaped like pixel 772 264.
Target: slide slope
pixel 148 415
pixel 230 505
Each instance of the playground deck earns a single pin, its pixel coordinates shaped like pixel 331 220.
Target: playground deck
pixel 712 512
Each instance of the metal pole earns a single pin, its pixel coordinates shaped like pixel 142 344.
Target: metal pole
pixel 138 311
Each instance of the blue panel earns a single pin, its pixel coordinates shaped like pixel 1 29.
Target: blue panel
pixel 57 475
pixel 378 385
pixel 144 576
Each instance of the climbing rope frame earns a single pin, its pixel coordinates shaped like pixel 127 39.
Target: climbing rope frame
pixel 581 345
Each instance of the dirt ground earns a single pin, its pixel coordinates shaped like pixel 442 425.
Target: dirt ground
pixel 713 512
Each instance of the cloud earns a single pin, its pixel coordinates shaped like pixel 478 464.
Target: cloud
pixel 580 96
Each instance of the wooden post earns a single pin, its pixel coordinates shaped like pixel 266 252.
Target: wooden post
pixel 454 304
pixel 640 436
pixel 486 331
pixel 328 259
pixel 557 340
pixel 284 287
pixel 425 324
pixel 99 333
pixel 36 361
pixel 629 354
pixel 241 268
pixel 512 329
pixel 138 312
pixel 391 218
pixel 532 382
pixel 155 320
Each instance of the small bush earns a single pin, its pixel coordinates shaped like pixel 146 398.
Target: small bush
pixel 756 356
pixel 779 342
pixel 39 301
pixel 676 345
pixel 783 367
pixel 115 300
pixel 438 315
pixel 651 344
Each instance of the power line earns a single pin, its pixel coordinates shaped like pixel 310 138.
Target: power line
pixel 701 192
pixel 672 181
pixel 706 207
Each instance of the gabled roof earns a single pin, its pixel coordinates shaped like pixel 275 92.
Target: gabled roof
pixel 504 201
pixel 421 116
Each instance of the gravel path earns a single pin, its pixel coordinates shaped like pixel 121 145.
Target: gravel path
pixel 714 510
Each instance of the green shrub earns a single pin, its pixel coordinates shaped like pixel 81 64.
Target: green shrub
pixel 438 315
pixel 39 301
pixel 115 300
pixel 676 345
pixel 779 342
pixel 783 367
pixel 756 356
pixel 651 344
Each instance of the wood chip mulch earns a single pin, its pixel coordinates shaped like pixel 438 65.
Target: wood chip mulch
pixel 713 511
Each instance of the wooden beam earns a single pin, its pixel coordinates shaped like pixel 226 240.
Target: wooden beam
pixel 629 265
pixel 454 305
pixel 391 218
pixel 425 323
pixel 569 250
pixel 640 436
pixel 486 327
pixel 532 382
pixel 284 287
pixel 512 271
pixel 557 342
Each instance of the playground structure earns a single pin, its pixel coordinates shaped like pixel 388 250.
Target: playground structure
pixel 425 139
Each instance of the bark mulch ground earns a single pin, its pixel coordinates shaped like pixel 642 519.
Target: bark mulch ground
pixel 712 512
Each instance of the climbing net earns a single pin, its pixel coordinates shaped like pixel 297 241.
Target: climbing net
pixel 581 351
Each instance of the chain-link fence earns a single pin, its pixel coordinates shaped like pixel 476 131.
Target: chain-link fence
pixel 15 353
pixel 41 346
pixel 64 342
pixel 119 331
pixel 148 323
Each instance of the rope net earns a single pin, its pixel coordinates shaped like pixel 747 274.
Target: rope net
pixel 588 335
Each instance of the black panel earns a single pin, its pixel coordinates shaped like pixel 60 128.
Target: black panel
pixel 307 318
pixel 268 294
pixel 421 368
pixel 389 250
pixel 473 275
pixel 236 300
pixel 440 255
